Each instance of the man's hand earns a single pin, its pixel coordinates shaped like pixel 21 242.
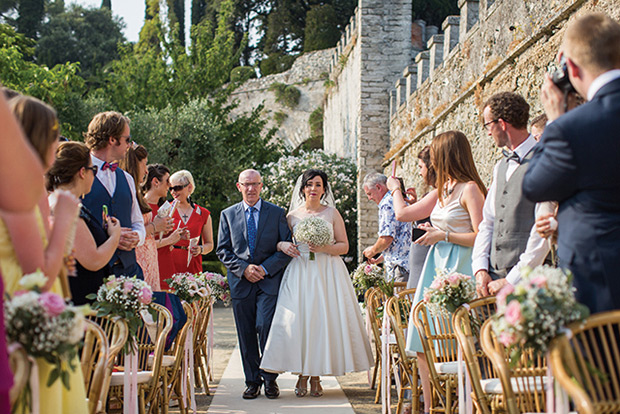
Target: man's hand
pixel 552 99
pixel 483 278
pixel 129 239
pixel 369 252
pixel 496 285
pixel 254 273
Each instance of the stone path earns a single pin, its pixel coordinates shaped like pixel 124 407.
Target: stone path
pixel 228 396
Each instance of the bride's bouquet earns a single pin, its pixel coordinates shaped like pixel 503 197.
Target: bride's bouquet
pixel 313 230
pixel 448 291
pixel 188 287
pixel 45 325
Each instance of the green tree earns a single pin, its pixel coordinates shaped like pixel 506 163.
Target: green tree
pixel 434 11
pixel 30 16
pixel 87 35
pixel 321 31
pixel 106 4
pixel 176 19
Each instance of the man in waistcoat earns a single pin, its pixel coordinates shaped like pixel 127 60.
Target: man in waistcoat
pixel 507 239
pixel 109 138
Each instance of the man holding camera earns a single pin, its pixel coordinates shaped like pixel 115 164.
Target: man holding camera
pixel 507 240
pixel 577 162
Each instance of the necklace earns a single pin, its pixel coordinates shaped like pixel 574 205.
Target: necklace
pixel 449 190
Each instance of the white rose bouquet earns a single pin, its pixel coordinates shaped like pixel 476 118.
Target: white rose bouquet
pixel 188 287
pixel 45 325
pixel 532 313
pixel 126 297
pixel 449 291
pixel 218 286
pixel 313 230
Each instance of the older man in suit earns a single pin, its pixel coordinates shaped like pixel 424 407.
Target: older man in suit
pixel 248 235
pixel 578 161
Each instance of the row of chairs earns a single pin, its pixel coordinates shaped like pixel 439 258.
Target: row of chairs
pixel 585 361
pixel 161 374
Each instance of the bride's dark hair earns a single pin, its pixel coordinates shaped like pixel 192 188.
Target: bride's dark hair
pixel 309 175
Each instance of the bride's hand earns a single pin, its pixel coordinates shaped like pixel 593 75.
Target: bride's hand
pixel 316 249
pixel 288 248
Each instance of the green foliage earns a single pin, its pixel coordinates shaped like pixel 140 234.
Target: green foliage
pixel 241 74
pixel 280 117
pixel 30 16
pixel 287 95
pixel 316 122
pixel 280 177
pixel 321 31
pixel 434 12
pixel 176 20
pixel 276 63
pixel 87 35
pixel 107 4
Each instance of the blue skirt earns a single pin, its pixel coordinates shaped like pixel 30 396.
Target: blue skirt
pixel 442 255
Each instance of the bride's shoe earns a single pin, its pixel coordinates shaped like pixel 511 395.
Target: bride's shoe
pixel 315 387
pixel 300 390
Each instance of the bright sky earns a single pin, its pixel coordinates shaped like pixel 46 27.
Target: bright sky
pixel 132 12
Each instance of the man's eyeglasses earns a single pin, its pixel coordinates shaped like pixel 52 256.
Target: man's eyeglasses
pixel 93 168
pixel 178 187
pixel 487 124
pixel 248 185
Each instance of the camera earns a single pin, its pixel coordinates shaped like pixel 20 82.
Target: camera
pixel 560 78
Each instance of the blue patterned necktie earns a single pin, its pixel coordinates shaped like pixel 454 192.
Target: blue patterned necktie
pixel 251 231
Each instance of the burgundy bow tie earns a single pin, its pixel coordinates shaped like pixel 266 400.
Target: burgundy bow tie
pixel 111 165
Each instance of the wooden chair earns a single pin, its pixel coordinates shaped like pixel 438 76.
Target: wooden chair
pixel 586 363
pixel 150 379
pixel 399 287
pixel 202 314
pixel 116 332
pixel 94 361
pixel 440 351
pixel 522 384
pixel 20 367
pixel 398 308
pixel 375 299
pixel 467 322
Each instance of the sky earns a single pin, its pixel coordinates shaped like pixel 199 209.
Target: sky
pixel 132 12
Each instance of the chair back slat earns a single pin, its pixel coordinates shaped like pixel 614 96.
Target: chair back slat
pixel 20 367
pixel 94 361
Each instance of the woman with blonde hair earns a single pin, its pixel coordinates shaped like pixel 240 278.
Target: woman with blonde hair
pixel 455 216
pixel 195 219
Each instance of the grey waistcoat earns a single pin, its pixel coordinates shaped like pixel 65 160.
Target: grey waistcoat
pixel 514 218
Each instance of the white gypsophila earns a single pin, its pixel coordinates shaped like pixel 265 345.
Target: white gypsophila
pixel 33 280
pixel 77 331
pixel 313 230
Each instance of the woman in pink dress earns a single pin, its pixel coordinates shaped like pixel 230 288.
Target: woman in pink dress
pixel 195 219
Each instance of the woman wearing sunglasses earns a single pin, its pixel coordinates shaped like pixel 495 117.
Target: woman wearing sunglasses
pixel 195 219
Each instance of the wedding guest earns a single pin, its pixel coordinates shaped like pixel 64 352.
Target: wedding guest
pixel 156 188
pixel 406 211
pixel 73 171
pixel 109 138
pixel 455 217
pixel 537 126
pixel 507 240
pixel 135 163
pixel 194 218
pixel 577 162
pixel 394 236
pixel 27 243
pixel 317 328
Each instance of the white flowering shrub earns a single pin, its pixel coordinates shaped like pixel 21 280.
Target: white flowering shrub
pixel 279 179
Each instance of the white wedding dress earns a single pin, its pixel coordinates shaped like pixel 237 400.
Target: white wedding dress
pixel 317 328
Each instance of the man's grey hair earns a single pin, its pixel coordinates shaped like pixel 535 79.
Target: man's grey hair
pixel 373 179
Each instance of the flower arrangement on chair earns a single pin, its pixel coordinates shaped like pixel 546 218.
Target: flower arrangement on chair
pixel 188 286
pixel 532 313
pixel 367 276
pixel 45 325
pixel 218 286
pixel 448 291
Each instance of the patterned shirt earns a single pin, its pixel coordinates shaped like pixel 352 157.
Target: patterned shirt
pixel 397 254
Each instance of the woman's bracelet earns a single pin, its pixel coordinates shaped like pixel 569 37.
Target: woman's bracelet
pixel 447 236
pixel 392 192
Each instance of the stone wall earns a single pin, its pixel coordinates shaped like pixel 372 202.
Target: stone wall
pixel 373 50
pixel 506 45
pixel 308 74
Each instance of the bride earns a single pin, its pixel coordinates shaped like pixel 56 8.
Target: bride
pixel 317 328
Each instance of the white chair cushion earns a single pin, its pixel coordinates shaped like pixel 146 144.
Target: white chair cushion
pixel 494 385
pixel 118 378
pixel 448 367
pixel 167 361
pixel 392 339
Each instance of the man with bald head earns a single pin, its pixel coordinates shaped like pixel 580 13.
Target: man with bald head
pixel 247 241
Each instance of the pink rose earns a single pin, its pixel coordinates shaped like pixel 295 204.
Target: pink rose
pixel 368 269
pixel 539 281
pixel 52 303
pixel 436 284
pixel 20 292
pixel 127 286
pixel 507 338
pixel 503 294
pixel 427 297
pixel 191 278
pixel 513 312
pixel 454 279
pixel 145 296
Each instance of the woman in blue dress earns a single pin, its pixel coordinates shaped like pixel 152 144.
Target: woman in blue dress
pixel 455 216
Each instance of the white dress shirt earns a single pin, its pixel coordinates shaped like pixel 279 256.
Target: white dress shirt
pixel 536 249
pixel 601 81
pixel 108 180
